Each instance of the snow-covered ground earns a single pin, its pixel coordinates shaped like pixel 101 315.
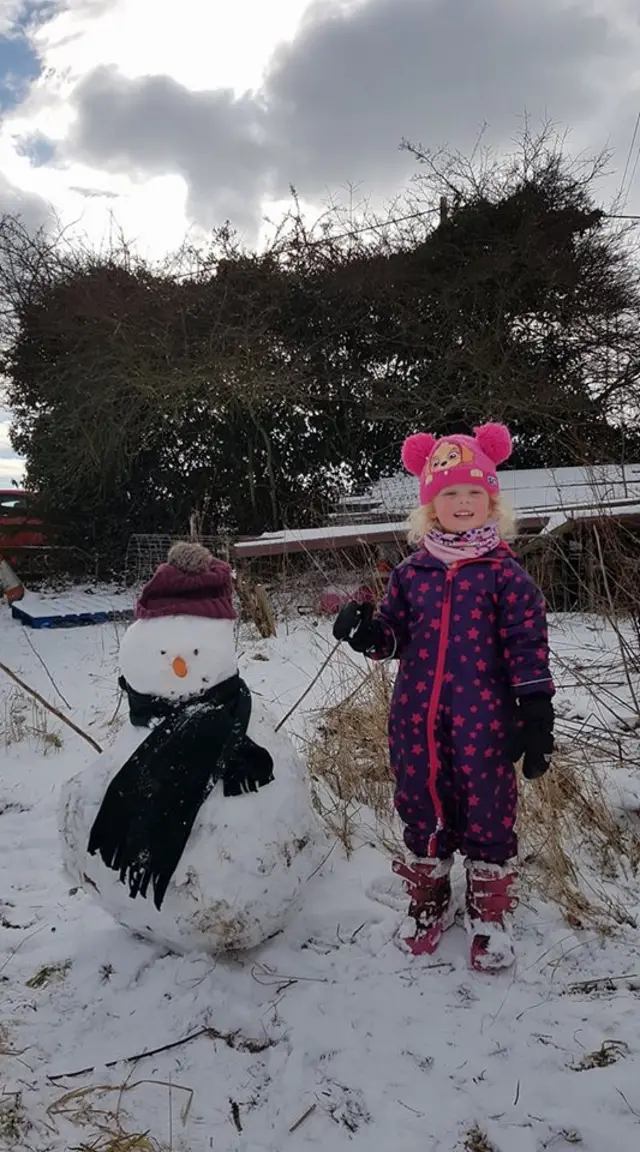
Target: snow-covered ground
pixel 328 1037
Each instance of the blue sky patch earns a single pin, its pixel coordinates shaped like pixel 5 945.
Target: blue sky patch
pixel 37 148
pixel 19 64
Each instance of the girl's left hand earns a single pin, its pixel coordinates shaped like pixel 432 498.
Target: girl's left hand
pixel 533 738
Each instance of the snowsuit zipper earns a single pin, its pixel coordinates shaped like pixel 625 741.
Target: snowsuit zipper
pixel 434 703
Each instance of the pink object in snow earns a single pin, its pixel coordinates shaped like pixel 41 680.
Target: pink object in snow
pixel 333 599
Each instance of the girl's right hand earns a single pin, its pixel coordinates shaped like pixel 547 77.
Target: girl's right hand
pixel 355 625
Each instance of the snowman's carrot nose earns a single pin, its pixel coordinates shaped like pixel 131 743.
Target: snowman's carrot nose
pixel 180 667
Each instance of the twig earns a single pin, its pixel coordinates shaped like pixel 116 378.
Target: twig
pixel 322 862
pixel 235 1115
pixel 410 1109
pixel 595 983
pixel 305 1116
pixel 307 690
pixel 231 1039
pixel 272 977
pixel 632 1110
pixel 117 709
pixel 47 672
pixel 17 948
pixel 50 707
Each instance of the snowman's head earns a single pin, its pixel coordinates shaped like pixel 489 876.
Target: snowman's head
pixel 178 656
pixel 183 640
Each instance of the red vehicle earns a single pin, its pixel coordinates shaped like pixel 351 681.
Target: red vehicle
pixel 19 526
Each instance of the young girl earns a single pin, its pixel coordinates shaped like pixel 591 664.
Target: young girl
pixel 472 695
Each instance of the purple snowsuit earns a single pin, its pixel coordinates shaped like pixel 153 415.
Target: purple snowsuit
pixel 470 640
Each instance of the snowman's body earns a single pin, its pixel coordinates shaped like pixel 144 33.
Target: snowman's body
pixel 247 857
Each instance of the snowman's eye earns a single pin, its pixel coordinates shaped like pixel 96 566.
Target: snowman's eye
pixel 162 652
pixel 195 651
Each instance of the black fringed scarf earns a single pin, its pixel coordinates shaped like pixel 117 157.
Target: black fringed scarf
pixel 149 808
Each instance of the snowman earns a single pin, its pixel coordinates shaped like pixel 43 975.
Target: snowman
pixel 195 828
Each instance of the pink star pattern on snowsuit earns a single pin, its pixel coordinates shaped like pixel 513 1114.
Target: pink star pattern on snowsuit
pixel 469 639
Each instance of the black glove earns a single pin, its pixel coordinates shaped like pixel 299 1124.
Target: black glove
pixel 533 736
pixel 355 624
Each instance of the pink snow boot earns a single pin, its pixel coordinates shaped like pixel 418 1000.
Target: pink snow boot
pixel 490 898
pixel 428 885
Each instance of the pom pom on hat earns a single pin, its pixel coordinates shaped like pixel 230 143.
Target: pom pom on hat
pixel 495 441
pixel 416 451
pixel 190 556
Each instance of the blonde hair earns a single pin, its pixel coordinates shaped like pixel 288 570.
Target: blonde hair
pixel 424 518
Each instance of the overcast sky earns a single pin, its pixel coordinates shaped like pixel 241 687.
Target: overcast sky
pixel 169 116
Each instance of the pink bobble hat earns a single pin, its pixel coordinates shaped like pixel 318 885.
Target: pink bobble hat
pixel 443 463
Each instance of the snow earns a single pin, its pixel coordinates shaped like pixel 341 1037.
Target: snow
pixel 327 1036
pixel 530 490
pixel 307 535
pixel 52 605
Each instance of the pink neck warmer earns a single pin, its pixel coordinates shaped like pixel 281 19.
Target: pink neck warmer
pixel 452 547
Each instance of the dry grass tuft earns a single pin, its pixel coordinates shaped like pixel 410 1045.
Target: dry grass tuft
pixel 573 847
pixel 609 1052
pixel 118 1142
pixel 83 1107
pixel 349 762
pixel 477 1141
pixel 24 719
pixel 14 1122
pixel 49 974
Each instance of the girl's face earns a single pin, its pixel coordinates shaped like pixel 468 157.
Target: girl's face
pixel 462 507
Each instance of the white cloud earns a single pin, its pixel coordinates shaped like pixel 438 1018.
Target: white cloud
pixel 209 46
pixel 164 121
pixel 11 470
pixel 199 44
pixel 9 12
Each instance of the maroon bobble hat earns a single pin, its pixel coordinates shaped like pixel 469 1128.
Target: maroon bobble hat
pixel 191 583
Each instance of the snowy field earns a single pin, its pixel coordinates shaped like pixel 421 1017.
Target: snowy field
pixel 326 1038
